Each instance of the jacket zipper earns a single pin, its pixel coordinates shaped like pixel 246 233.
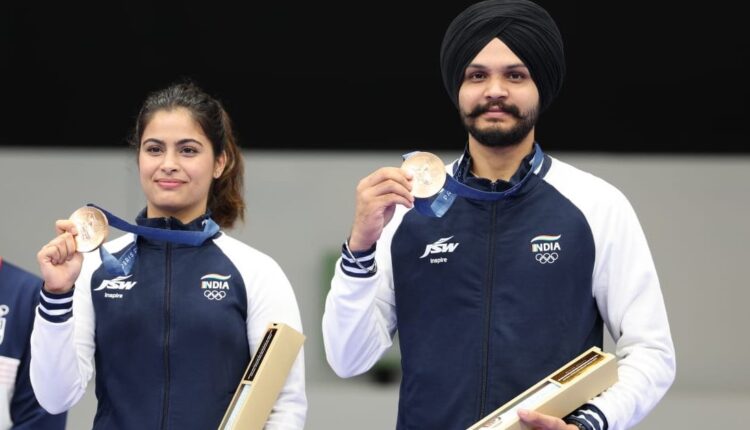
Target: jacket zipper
pixel 167 309
pixel 487 312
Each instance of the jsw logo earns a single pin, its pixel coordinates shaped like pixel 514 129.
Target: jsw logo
pixel 440 247
pixel 118 283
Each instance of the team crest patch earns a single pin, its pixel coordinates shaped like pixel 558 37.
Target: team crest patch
pixel 214 286
pixel 546 248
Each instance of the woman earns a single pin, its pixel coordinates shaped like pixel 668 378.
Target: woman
pixel 19 409
pixel 170 337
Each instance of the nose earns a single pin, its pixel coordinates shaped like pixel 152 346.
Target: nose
pixel 496 88
pixel 170 161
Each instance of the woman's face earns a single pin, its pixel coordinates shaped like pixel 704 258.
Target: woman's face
pixel 177 165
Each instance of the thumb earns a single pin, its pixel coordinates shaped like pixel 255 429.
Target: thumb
pixel 530 417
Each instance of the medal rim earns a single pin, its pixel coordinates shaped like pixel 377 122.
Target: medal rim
pixel 438 185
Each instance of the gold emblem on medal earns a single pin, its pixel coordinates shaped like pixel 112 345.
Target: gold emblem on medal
pixel 92 227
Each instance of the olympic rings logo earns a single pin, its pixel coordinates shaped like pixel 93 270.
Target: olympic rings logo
pixel 214 295
pixel 547 257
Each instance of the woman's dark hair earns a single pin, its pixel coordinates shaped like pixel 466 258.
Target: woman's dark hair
pixel 225 199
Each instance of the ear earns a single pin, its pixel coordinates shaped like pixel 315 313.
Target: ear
pixel 219 164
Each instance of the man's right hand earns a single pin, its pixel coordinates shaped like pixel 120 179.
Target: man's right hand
pixel 59 261
pixel 377 197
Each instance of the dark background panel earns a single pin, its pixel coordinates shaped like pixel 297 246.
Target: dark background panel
pixel 642 76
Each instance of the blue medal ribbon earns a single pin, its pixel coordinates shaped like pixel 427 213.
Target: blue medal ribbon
pixel 124 265
pixel 437 205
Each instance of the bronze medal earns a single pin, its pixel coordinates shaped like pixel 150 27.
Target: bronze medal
pixel 429 174
pixel 92 227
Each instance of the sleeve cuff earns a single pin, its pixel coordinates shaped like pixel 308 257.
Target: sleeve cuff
pixel 56 308
pixel 588 417
pixel 360 264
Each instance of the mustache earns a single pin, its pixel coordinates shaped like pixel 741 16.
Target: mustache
pixel 510 109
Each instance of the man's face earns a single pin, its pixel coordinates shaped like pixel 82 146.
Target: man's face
pixel 498 101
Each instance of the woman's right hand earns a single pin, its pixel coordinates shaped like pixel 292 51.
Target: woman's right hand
pixel 59 261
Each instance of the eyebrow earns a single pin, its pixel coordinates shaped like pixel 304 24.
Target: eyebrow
pixel 179 142
pixel 508 67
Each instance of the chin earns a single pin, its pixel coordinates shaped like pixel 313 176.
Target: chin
pixel 494 127
pixel 166 208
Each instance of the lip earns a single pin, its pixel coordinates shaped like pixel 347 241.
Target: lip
pixel 169 184
pixel 495 114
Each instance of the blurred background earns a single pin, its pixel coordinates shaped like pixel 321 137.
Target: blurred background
pixel 642 76
pixel 324 93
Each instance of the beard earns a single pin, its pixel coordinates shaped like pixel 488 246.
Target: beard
pixel 493 135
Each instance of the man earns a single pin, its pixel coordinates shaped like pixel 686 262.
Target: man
pixel 19 409
pixel 521 272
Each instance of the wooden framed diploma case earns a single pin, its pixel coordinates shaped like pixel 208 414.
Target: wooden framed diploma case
pixel 559 394
pixel 263 379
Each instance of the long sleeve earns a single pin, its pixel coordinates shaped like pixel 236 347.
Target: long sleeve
pixel 271 299
pixel 62 347
pixel 25 411
pixel 359 321
pixel 628 294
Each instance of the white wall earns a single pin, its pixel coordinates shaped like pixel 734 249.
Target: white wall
pixel 693 209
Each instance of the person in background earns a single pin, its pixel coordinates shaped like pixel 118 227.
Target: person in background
pixel 170 337
pixel 523 270
pixel 19 409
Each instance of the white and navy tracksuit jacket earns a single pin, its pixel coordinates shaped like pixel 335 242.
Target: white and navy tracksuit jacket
pixel 170 342
pixel 19 296
pixel 494 296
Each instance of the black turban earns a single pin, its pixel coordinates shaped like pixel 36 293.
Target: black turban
pixel 524 26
